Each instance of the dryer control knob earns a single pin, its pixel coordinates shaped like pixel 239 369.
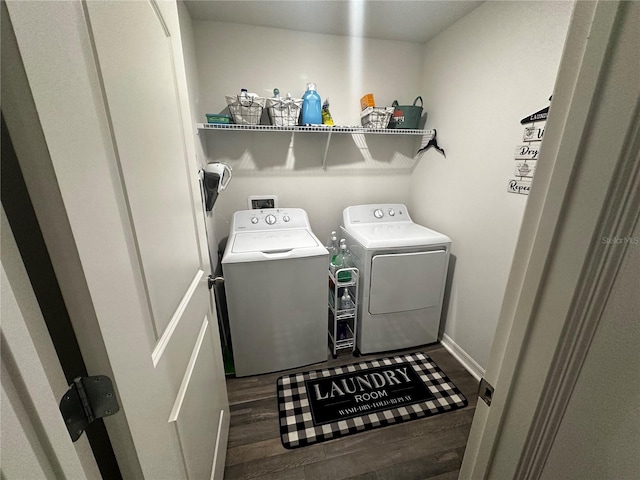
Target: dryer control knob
pixel 378 213
pixel 286 218
pixel 254 220
pixel 270 219
pixel 392 212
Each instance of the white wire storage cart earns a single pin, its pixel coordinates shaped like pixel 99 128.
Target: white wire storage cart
pixel 343 318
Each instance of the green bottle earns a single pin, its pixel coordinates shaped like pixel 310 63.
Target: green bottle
pixel 341 262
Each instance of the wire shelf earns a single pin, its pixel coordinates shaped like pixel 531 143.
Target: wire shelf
pixel 312 128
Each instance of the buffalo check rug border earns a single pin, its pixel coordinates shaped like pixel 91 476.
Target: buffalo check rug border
pixel 297 427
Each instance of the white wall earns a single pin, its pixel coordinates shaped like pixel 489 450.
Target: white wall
pixel 230 57
pixel 323 198
pixel 481 77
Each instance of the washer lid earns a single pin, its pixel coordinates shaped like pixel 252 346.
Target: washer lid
pixel 275 241
pixel 272 245
pixel 398 234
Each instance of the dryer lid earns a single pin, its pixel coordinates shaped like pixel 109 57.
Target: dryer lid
pixel 398 234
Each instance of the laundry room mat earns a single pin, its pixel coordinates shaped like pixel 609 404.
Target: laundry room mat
pixel 321 405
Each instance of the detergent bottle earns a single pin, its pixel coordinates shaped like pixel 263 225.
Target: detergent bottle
pixel 311 106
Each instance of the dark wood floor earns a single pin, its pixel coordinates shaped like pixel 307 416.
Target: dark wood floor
pixel 428 448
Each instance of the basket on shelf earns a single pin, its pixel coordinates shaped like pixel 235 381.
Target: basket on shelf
pixel 284 112
pixel 376 117
pixel 245 110
pixel 407 116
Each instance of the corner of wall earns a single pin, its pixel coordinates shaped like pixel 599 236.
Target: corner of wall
pixel 469 364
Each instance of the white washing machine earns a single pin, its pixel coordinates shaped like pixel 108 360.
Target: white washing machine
pixel 275 272
pixel 403 270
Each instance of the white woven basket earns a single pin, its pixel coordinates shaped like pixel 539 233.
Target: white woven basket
pixel 376 117
pixel 245 110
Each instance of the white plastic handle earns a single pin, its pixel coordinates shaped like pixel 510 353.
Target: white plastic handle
pixel 223 183
pixel 285 252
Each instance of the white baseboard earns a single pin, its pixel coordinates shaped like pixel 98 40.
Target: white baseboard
pixel 463 357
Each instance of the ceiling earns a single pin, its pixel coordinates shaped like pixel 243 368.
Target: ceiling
pixel 405 20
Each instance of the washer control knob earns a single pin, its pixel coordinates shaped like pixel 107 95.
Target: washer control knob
pixel 392 212
pixel 254 220
pixel 378 213
pixel 286 218
pixel 270 219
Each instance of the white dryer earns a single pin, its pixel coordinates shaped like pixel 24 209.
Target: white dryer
pixel 403 270
pixel 275 272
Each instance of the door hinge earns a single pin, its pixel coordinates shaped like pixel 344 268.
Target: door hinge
pixel 485 391
pixel 87 399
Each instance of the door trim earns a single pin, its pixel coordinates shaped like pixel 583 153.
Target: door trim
pixel 592 293
pixel 156 355
pixel 32 379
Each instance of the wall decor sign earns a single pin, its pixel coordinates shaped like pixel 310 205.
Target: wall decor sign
pixel 532 134
pixel 519 186
pixel 539 116
pixel 527 152
pixel 525 169
pixel 526 155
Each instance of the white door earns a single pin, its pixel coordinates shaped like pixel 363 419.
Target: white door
pixel 109 86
